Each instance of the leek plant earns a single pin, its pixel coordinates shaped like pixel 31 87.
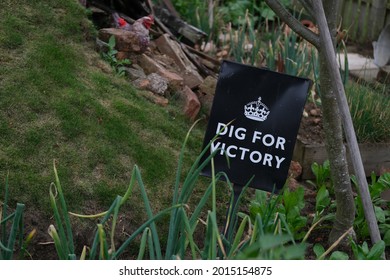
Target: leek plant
pixel 243 238
pixel 245 42
pixel 11 236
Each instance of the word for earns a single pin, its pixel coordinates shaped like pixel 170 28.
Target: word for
pixel 240 134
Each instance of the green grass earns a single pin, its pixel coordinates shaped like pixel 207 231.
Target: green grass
pixel 57 102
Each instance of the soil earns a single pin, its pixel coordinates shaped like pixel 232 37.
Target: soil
pixel 311 128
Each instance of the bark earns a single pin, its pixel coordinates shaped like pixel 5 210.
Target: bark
pixel 332 69
pixel 345 212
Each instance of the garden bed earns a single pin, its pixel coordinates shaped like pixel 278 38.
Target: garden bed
pixel 375 156
pixel 310 147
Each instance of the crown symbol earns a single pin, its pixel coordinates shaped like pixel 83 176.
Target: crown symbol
pixel 256 110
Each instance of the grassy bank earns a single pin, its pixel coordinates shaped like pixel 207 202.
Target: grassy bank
pixel 59 101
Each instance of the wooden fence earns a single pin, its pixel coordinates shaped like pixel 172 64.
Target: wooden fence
pixel 364 19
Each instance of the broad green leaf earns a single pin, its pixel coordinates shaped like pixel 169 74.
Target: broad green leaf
pixel 380 214
pixel 338 255
pixel 269 241
pixel 376 251
pixel 386 238
pixel 322 199
pixel 365 248
pixel 318 249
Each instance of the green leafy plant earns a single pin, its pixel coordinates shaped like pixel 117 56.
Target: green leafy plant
pixel 281 213
pixel 363 252
pixel 292 204
pixel 381 207
pixel 322 199
pixel 110 57
pixel 322 175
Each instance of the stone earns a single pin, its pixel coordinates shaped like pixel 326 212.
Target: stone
pixel 123 55
pixel 141 83
pixel 206 100
pixel 153 82
pixel 315 112
pixel 295 170
pixel 149 65
pixel 134 73
pixel 187 69
pixel 175 81
pixel 316 121
pixel 190 103
pixel 208 86
pixel 125 41
pixel 292 184
pixel 157 84
pixel 157 99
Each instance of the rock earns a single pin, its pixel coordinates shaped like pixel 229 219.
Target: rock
pixel 149 65
pixel 153 82
pixel 190 103
pixel 157 99
pixel 208 86
pixel 295 170
pixel 175 81
pixel 187 69
pixel 141 83
pixel 316 121
pixel 315 112
pixel 292 184
pixel 125 41
pixel 157 84
pixel 101 46
pixel 206 100
pixel 135 73
pixel 123 55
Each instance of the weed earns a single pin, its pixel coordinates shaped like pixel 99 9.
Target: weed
pixel 110 57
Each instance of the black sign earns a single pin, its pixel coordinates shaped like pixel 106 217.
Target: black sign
pixel 256 113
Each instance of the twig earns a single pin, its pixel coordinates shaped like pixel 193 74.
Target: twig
pixel 334 245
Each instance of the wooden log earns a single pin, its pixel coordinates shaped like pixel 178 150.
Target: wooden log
pixel 180 29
